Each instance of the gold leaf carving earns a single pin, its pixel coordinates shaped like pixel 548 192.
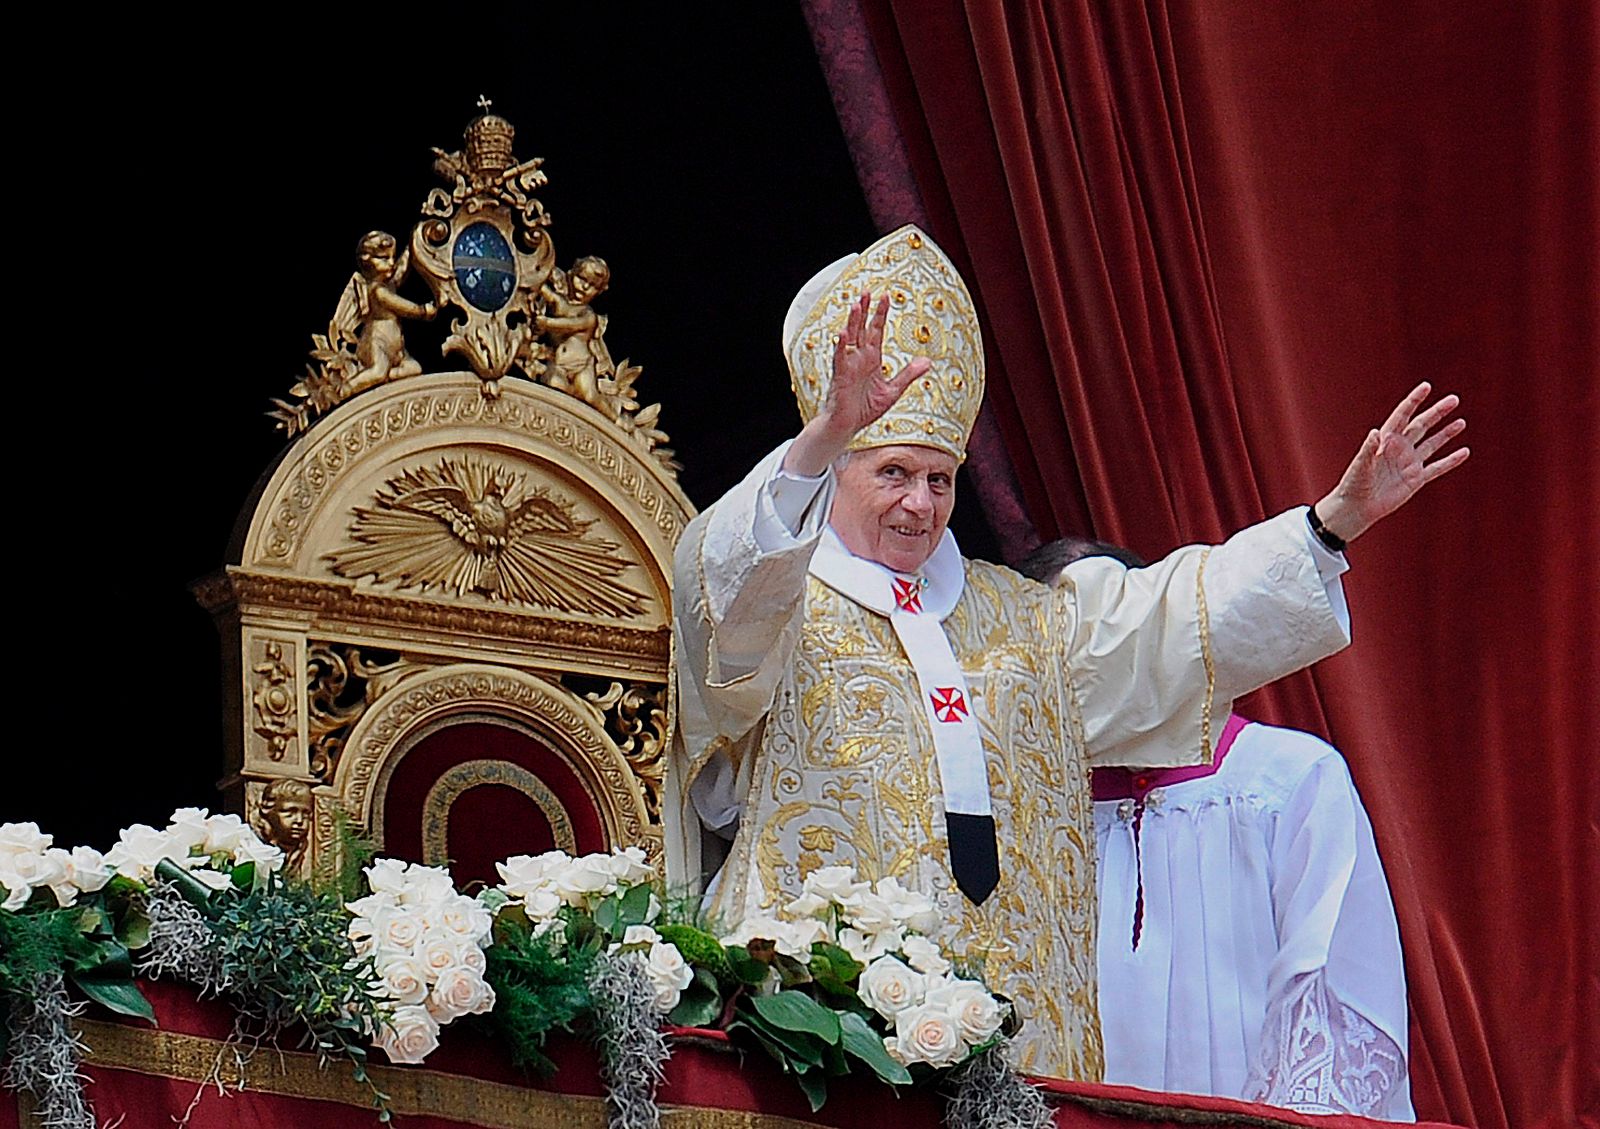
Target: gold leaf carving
pixel 469 526
pixel 273 699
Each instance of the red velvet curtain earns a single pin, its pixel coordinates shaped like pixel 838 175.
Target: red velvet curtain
pixel 1212 244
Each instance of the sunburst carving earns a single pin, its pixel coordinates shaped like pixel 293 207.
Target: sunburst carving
pixel 469 527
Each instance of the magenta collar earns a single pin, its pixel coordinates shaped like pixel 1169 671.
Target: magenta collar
pixel 1117 783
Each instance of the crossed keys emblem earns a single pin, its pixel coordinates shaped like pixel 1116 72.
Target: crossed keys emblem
pixel 948 704
pixel 908 595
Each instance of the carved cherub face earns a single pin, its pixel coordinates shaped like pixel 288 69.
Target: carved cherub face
pixel 588 280
pixel 375 256
pixel 289 819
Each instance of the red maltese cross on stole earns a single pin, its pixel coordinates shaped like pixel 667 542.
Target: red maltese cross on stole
pixel 948 704
pixel 908 595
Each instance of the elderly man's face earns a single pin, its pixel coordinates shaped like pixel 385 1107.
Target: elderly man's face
pixel 893 504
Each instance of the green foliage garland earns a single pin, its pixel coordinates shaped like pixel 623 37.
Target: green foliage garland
pixel 540 984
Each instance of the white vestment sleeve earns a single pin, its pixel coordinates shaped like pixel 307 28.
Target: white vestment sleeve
pixel 1157 655
pixel 739 590
pixel 1334 1037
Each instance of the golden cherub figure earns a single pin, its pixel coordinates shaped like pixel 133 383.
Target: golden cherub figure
pixel 369 313
pixel 284 819
pixel 580 358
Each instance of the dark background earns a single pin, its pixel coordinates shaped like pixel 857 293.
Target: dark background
pixel 189 218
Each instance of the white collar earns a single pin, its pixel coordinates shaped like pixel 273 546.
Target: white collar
pixel 870 584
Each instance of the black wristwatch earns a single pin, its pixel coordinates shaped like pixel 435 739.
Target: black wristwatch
pixel 1332 540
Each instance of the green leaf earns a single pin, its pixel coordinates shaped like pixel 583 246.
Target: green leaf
pixel 605 914
pixel 796 1011
pixel 195 892
pixel 797 1050
pixel 834 969
pixel 863 1043
pixel 91 920
pixel 105 975
pixel 511 924
pixel 815 1085
pixel 633 907
pixel 701 1002
pixel 243 876
pixel 746 969
pixel 135 930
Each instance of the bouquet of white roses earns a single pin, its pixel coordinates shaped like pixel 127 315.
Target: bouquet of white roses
pixel 847 972
pixel 608 894
pixel 426 942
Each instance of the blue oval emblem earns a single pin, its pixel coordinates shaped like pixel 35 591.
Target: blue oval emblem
pixel 485 269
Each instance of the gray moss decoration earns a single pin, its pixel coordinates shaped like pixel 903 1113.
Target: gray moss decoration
pixel 182 945
pixel 633 1051
pixel 988 1094
pixel 44 1055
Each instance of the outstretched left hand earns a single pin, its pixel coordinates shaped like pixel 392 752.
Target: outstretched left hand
pixel 1393 465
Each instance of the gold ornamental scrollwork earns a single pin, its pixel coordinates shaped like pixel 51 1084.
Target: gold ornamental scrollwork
pixel 636 716
pixel 342 680
pixel 470 526
pixel 483 248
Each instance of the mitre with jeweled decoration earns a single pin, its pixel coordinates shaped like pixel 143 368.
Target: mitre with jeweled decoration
pixel 931 314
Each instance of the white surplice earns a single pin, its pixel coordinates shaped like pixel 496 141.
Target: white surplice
pixel 802 721
pixel 1268 965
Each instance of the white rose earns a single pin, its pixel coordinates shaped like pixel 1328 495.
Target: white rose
pixel 889 987
pixel 137 851
pixel 929 1034
pixel 222 833
pixel 523 874
pixel 908 907
pixel 386 876
pixel 399 930
pixel 187 830
pixel 669 974
pixel 793 939
pixel 438 953
pixel 835 884
pixel 653 910
pixel 630 867
pixel 89 870
pixel 977 1013
pixel 405 978
pixel 17 838
pixel 469 955
pixel 924 955
pixel 892 1046
pixel 17 891
pixel 46 868
pixel 542 905
pixel 462 917
pixel 873 914
pixel 410 1036
pixel 371 905
pixel 268 859
pixel 211 879
pixel 585 879
pixel 808 905
pixel 426 887
pixel 459 991
pixel 867 948
pixel 640 935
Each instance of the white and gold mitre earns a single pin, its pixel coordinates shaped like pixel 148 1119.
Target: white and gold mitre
pixel 930 314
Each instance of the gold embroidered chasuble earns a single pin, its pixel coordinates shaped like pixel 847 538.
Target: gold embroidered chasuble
pixel 803 704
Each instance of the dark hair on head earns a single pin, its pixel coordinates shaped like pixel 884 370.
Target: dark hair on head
pixel 1045 562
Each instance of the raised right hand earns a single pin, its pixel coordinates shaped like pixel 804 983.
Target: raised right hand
pixel 859 393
